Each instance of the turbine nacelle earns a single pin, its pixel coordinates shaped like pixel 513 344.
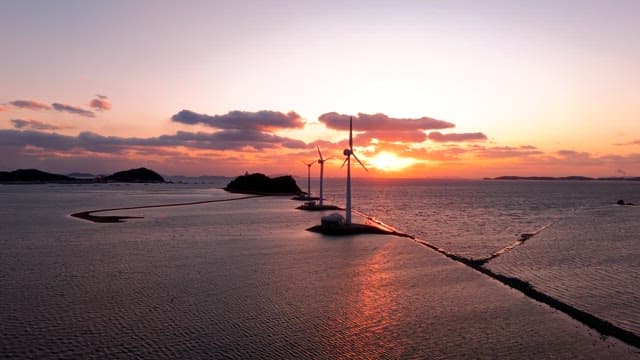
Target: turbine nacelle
pixel 347 152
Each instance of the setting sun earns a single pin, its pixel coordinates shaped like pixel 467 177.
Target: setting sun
pixel 387 161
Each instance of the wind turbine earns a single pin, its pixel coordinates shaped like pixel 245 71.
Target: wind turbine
pixel 349 153
pixel 321 161
pixel 309 178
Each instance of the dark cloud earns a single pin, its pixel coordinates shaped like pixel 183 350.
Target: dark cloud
pixel 30 104
pixel 462 137
pixel 72 109
pixel 222 140
pixel 384 128
pixel 100 104
pixel 53 141
pixel 578 158
pixel 501 152
pixel 242 120
pixel 633 142
pixel 33 124
pixel 101 96
pixel 381 122
pixel 573 154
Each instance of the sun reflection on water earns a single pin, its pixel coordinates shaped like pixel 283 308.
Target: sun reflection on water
pixel 372 309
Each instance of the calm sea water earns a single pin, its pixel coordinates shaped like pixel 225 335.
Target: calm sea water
pixel 242 279
pixel 588 254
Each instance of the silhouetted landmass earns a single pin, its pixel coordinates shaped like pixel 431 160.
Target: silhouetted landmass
pixel 34 176
pixel 574 178
pixel 31 175
pixel 135 175
pixel 261 184
pixel 82 175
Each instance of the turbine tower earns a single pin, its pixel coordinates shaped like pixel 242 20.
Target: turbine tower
pixel 321 161
pixel 349 153
pixel 308 178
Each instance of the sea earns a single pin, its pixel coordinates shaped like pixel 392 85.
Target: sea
pixel 242 278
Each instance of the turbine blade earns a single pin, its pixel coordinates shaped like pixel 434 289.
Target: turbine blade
pixel 345 161
pixel 351 133
pixel 319 153
pixel 359 162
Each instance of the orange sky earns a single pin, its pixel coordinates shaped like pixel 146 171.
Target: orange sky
pixel 437 89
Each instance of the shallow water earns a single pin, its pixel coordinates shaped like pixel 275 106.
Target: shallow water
pixel 243 279
pixel 588 254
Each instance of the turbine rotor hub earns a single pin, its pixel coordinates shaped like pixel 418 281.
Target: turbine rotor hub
pixel 347 152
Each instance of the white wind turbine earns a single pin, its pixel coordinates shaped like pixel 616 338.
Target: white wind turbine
pixel 309 178
pixel 349 153
pixel 321 161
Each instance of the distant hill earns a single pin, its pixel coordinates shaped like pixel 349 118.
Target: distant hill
pixel 31 175
pixel 261 184
pixel 140 175
pixel 135 175
pixel 80 175
pixel 573 178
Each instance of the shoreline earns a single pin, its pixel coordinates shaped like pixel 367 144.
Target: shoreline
pixel 87 215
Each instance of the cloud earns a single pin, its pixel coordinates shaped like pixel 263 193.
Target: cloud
pixel 384 128
pixel 101 96
pixel 72 109
pixel 381 122
pixel 462 137
pixel 30 104
pixel 632 142
pixel 502 152
pixel 53 141
pixel 4 107
pixel 33 124
pixel 101 103
pixel 391 135
pixel 238 140
pixel 242 120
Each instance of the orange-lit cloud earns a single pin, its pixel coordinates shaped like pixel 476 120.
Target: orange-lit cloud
pixel 384 128
pixel 30 104
pixel 392 135
pixel 463 137
pixel 100 103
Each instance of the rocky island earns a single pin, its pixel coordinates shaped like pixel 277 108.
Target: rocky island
pixel 260 184
pixel 34 176
pixel 143 175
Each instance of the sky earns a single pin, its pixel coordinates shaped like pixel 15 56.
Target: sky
pixel 436 89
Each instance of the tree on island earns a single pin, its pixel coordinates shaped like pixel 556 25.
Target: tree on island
pixel 261 184
pixel 135 175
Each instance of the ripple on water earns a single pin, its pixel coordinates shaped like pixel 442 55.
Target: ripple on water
pixel 588 260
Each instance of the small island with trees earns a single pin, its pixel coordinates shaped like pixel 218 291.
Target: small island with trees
pixel 260 184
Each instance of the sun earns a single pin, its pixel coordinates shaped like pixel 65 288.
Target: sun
pixel 387 161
